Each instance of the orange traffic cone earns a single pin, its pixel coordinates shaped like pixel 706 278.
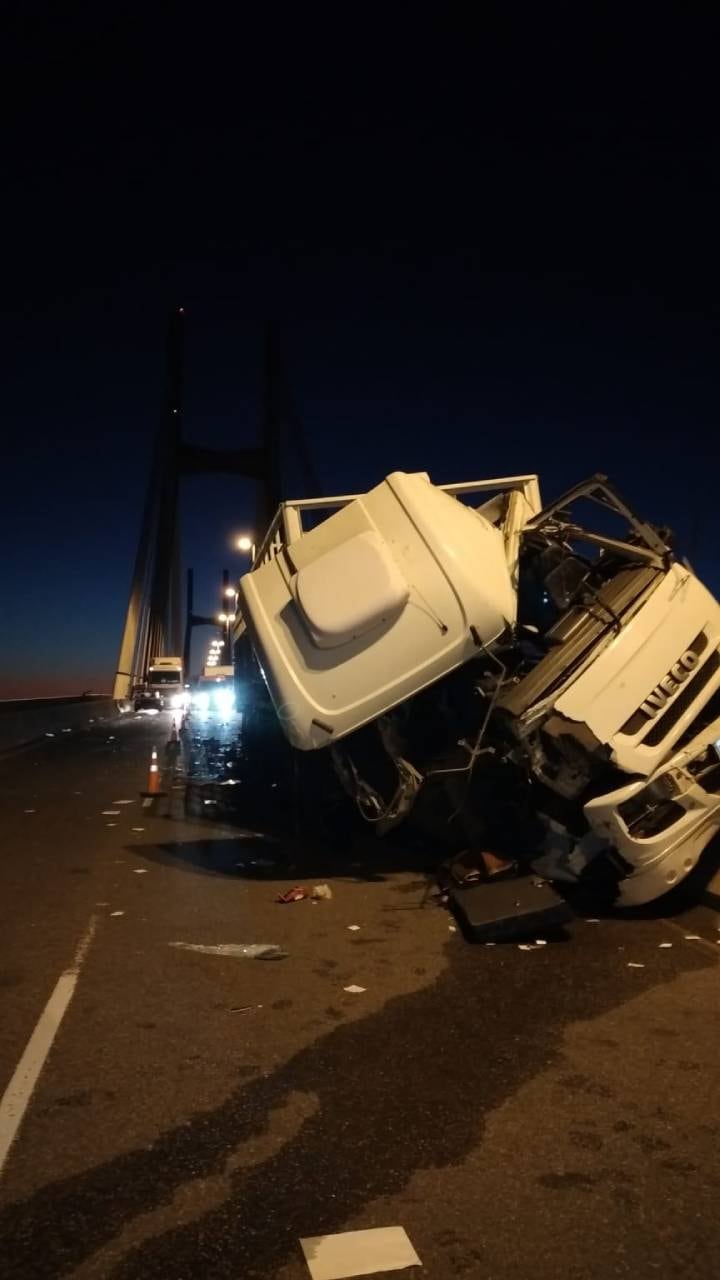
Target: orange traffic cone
pixel 153 787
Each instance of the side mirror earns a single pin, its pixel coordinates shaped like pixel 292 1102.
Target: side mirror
pixel 564 581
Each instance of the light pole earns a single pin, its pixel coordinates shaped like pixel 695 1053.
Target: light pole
pixel 226 619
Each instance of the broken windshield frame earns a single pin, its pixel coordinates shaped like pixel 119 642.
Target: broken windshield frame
pixel 556 519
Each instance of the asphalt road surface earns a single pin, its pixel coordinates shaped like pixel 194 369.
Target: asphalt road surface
pixel 521 1114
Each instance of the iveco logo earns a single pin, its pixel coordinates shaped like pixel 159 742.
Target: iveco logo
pixel 669 685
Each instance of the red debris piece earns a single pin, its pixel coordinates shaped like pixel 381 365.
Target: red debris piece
pixel 293 895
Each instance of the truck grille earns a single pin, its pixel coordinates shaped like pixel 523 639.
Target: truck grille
pixel 638 720
pixel 661 728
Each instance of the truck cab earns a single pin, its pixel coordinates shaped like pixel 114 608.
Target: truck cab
pixel 163 688
pixel 592 654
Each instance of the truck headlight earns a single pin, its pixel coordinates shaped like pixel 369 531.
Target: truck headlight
pixel 224 701
pixel 176 700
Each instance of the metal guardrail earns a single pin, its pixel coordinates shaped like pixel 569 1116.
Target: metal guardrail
pixel 27 720
pixel 31 704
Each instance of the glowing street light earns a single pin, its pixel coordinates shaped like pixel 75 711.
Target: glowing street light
pixel 230 593
pixel 245 543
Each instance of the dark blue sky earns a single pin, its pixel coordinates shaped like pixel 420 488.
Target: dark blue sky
pixel 483 260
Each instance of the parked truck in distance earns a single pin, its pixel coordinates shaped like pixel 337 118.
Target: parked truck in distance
pixel 163 688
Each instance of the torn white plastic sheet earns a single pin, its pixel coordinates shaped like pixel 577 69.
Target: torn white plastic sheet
pixel 358 1253
pixel 250 950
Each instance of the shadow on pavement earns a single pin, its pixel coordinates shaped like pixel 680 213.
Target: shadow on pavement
pixel 407 1088
pixel 255 856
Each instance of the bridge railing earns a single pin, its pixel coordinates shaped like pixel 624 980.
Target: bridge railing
pixel 27 720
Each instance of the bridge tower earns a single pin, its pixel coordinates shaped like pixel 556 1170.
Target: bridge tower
pixel 154 619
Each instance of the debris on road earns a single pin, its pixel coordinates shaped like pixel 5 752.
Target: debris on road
pixel 665 944
pixel 358 1253
pixel 509 909
pixel 293 895
pixel 137 828
pixel 322 891
pixel 111 824
pixel 452 928
pixel 530 946
pixel 123 801
pixel 49 735
pixel 693 937
pixel 354 990
pixel 249 951
pixel 140 871
pixel 632 964
pixel 354 928
pixel 111 813
pixel 117 913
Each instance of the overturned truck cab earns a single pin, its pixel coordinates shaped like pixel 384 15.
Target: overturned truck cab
pixel 543 678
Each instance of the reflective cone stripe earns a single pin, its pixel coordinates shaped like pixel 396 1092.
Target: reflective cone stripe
pixel 154 774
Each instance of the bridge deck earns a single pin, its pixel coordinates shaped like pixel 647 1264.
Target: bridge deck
pixel 519 1113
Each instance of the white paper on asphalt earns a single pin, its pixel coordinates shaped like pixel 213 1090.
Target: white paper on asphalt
pixel 358 1253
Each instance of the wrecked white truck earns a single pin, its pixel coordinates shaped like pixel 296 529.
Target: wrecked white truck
pixel 544 679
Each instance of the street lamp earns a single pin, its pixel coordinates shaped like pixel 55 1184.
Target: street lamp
pixel 226 619
pixel 246 544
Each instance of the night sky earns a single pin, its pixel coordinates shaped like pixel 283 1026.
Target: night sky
pixel 488 251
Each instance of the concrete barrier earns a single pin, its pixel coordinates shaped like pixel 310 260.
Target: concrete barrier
pixel 26 720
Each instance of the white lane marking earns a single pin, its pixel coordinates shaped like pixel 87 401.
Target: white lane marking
pixel 16 1097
